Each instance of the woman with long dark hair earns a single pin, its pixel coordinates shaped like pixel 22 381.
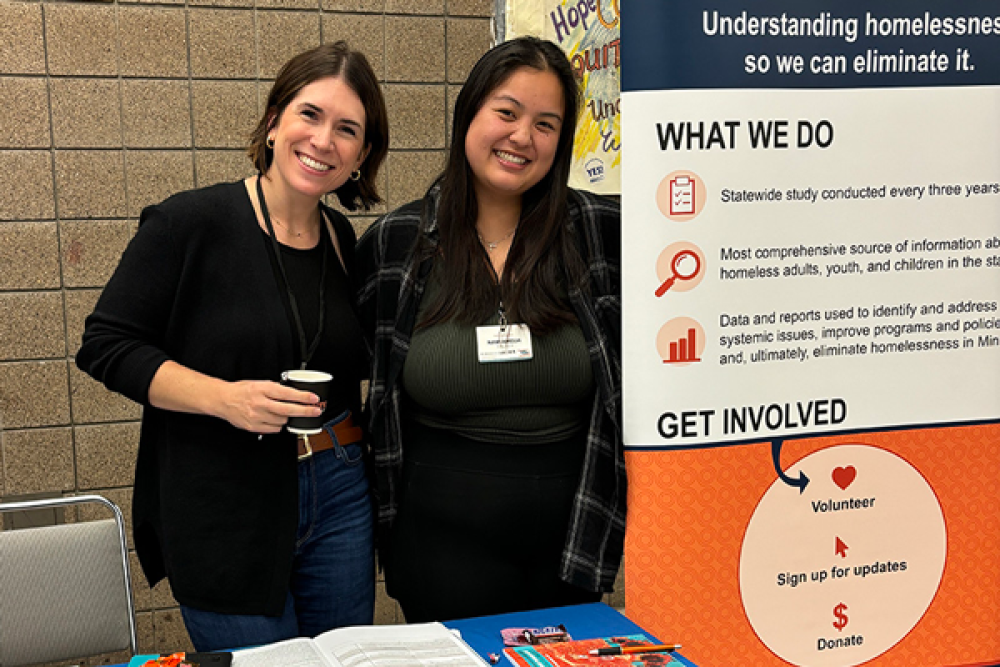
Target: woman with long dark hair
pixel 262 536
pixel 493 305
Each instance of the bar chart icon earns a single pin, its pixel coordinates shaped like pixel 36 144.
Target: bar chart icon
pixel 684 349
pixel 680 342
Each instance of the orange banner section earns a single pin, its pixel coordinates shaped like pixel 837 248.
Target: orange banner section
pixel 691 563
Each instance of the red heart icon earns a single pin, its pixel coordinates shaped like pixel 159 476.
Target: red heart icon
pixel 843 477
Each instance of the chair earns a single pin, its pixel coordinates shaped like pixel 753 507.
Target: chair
pixel 65 590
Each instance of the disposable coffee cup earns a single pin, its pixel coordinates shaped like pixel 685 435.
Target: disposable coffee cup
pixel 316 382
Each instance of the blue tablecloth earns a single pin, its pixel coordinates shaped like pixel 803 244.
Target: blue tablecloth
pixel 585 621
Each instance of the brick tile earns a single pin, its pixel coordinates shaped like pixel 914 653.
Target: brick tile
pixel 91 249
pixel 91 184
pixel 33 393
pixel 468 40
pixel 81 39
pixel 415 52
pixel 368 6
pixel 155 175
pixel 471 7
pixel 92 403
pixel 221 166
pixel 416 115
pixel 86 113
pixel 163 596
pixel 222 43
pixel 282 35
pixel 411 173
pixel 222 3
pixel 153 41
pixel 225 113
pixel 31 325
pixel 170 632
pixel 22 40
pixel 157 114
pixel 105 454
pixel 29 255
pixel 79 303
pixel 288 4
pixel 145 635
pixel 414 7
pixel 18 202
pixel 37 460
pixel 26 122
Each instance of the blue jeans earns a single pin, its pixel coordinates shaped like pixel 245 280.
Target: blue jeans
pixel 333 573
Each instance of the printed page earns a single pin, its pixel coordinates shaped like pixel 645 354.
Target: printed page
pixel 290 653
pixel 418 645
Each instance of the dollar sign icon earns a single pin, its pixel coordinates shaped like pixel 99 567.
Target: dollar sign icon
pixel 841 621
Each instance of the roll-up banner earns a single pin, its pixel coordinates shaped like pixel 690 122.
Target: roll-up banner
pixel 811 214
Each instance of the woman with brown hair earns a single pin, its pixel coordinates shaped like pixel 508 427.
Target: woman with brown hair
pixel 221 290
pixel 494 309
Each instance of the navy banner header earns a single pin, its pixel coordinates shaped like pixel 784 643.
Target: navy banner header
pixel 795 44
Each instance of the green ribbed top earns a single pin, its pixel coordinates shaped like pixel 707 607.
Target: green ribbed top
pixel 544 399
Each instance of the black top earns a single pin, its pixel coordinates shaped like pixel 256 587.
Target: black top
pixel 214 507
pixel 343 343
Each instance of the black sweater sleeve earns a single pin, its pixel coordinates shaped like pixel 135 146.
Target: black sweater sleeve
pixel 123 338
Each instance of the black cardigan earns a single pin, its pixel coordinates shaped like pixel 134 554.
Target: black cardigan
pixel 215 508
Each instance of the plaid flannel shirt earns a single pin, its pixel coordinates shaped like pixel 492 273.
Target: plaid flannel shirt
pixel 390 286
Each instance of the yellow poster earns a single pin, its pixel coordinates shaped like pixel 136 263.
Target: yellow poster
pixel 587 30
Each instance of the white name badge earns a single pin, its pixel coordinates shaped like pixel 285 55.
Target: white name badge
pixel 511 342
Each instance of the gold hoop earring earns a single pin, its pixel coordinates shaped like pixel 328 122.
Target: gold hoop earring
pixel 269 142
pixel 356 175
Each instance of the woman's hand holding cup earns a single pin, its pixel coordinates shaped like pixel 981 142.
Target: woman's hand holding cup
pixel 262 406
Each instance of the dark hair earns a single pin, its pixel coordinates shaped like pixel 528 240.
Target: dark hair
pixel 543 251
pixel 326 60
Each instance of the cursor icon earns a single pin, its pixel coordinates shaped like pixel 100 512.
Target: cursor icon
pixel 840 548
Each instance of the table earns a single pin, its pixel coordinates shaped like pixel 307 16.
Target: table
pixel 585 621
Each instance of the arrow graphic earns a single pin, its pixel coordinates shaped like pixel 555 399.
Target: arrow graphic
pixel 800 482
pixel 840 548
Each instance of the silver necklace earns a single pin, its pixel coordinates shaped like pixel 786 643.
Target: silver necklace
pixel 492 245
pixel 283 225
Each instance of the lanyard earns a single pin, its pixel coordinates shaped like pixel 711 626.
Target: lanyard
pixel 305 351
pixel 501 311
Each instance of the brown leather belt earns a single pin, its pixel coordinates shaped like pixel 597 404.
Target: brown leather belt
pixel 346 431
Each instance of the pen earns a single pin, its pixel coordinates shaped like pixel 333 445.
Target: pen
pixel 623 650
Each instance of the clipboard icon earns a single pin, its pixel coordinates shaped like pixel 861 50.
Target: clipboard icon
pixel 682 196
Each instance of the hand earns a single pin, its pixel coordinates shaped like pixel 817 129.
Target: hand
pixel 258 406
pixel 261 406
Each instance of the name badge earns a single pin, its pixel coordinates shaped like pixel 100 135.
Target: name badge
pixel 510 342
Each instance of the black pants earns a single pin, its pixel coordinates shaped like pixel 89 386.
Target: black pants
pixel 481 526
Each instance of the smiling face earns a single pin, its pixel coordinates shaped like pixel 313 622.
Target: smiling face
pixel 319 139
pixel 511 142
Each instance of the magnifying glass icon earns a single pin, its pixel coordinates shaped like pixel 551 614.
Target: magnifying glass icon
pixel 684 266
